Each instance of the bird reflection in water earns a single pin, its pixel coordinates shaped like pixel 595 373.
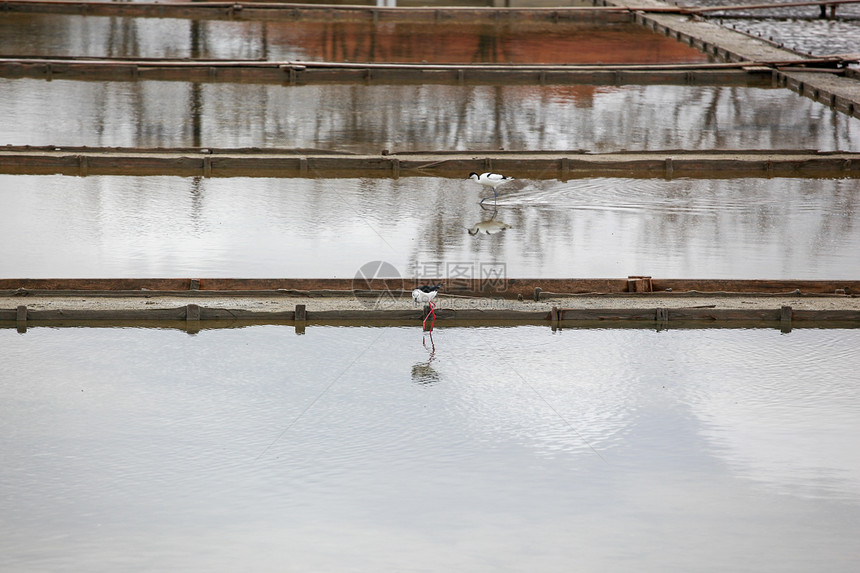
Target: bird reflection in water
pixel 489 226
pixel 423 373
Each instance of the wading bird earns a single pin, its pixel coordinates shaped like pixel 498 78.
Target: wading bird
pixel 490 180
pixel 426 293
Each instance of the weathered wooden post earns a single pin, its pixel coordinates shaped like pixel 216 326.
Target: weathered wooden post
pixel 21 319
pixel 785 314
pixel 301 317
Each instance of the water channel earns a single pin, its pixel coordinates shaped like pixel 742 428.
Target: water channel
pixel 491 449
pixel 125 226
pixel 523 42
pixel 367 119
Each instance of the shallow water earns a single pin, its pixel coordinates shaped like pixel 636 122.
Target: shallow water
pixel 503 450
pixel 368 119
pixel 522 42
pixel 110 226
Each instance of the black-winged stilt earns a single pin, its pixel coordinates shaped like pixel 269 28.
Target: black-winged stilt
pixel 426 293
pixel 490 180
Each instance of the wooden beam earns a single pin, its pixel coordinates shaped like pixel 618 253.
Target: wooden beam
pixel 304 73
pixel 694 317
pixel 505 288
pixel 526 164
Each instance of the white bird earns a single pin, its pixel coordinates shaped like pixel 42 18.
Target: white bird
pixel 490 180
pixel 426 293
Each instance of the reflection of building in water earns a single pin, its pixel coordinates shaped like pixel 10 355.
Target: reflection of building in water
pixel 573 42
pixel 366 119
pixel 520 42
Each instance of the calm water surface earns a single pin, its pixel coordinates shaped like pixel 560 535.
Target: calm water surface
pixel 107 226
pixel 502 450
pixel 522 42
pixel 367 119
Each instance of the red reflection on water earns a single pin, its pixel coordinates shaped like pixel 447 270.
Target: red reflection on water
pixel 579 43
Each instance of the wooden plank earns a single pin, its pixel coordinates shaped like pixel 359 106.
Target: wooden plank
pixel 47 316
pixel 823 316
pixel 506 288
pixel 560 318
pixel 323 72
pixel 609 315
pixel 127 65
pixel 541 165
pixel 798 287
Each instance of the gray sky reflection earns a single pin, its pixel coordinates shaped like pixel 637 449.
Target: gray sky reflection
pixel 106 450
pixel 248 227
pixel 367 119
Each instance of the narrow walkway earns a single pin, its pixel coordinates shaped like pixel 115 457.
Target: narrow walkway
pixel 560 164
pixel 839 92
